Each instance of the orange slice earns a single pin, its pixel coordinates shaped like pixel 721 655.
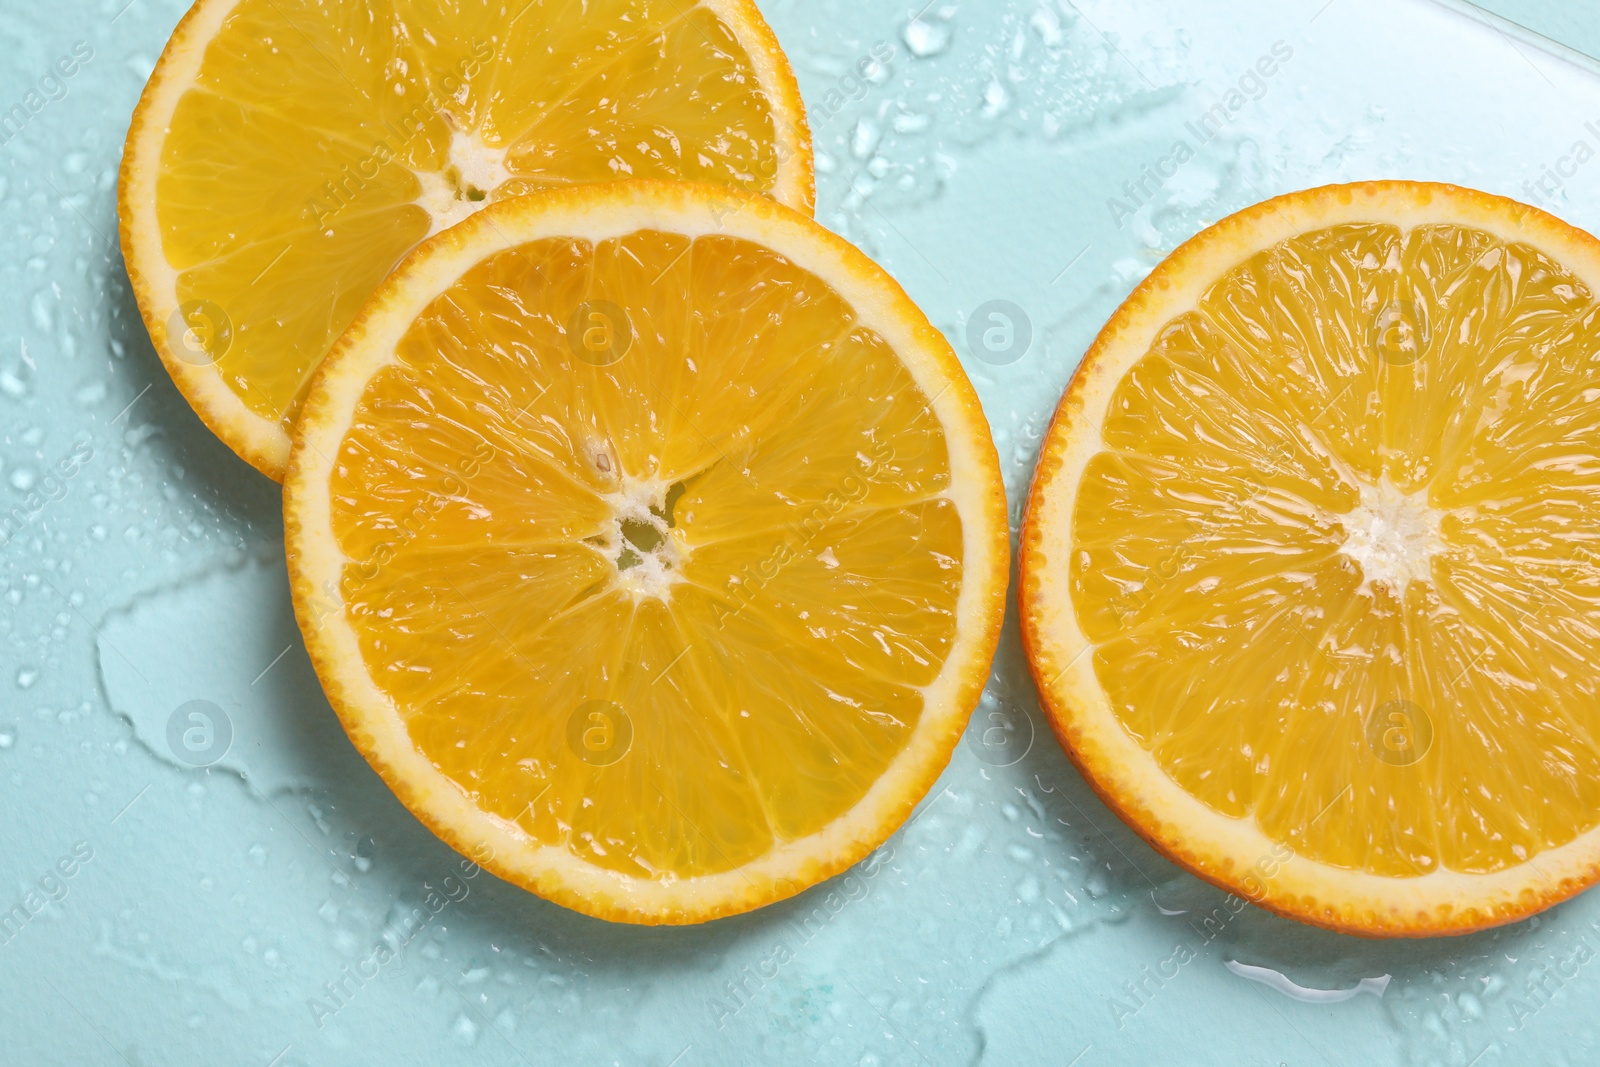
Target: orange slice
pixel 1308 571
pixel 287 154
pixel 650 544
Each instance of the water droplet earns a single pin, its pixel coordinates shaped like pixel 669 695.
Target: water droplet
pixel 995 99
pixel 22 479
pixel 14 382
pixel 911 122
pixel 1273 979
pixel 26 677
pixel 8 736
pixel 864 139
pixel 465 1030
pixel 1047 24
pixel 365 848
pixel 926 36
pixel 257 854
pixel 44 318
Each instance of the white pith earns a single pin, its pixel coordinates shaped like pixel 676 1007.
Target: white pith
pixel 1391 535
pixel 466 185
pixel 650 573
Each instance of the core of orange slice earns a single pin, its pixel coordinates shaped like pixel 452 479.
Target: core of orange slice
pixel 1308 572
pixel 650 544
pixel 286 154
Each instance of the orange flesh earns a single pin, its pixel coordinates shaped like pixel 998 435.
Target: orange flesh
pixel 1337 556
pixel 731 530
pixel 292 172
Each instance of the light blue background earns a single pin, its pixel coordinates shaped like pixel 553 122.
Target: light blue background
pixel 1007 922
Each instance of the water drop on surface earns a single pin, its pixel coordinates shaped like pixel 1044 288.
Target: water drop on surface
pixel 911 122
pixel 8 736
pixel 465 1030
pixel 12 383
pixel 996 98
pixel 864 138
pixel 926 37
pixel 365 848
pixel 22 479
pixel 1274 979
pixel 26 677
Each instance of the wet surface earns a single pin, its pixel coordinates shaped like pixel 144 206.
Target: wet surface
pixel 262 897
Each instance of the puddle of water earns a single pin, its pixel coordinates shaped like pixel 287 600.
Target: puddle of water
pixel 213 673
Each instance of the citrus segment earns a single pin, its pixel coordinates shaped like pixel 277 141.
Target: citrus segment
pixel 286 155
pixel 647 535
pixel 1306 566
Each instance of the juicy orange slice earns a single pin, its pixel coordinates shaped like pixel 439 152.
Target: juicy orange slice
pixel 1308 572
pixel 651 545
pixel 287 154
